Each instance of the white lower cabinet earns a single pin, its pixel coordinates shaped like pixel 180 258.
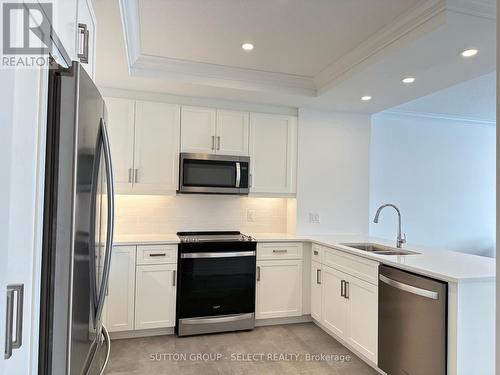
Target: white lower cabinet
pixel 335 306
pixel 363 317
pixel 142 288
pixel 316 287
pixel 348 306
pixel 119 314
pixel 279 289
pixel 155 296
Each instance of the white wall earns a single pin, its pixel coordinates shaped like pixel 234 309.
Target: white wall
pixel 333 172
pixel 441 174
pixel 154 214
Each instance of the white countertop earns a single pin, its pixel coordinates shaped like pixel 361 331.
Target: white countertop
pixel 444 265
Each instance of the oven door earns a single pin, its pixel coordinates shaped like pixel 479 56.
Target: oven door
pixel 213 174
pixel 219 283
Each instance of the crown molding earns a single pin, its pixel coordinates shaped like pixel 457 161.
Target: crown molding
pixel 426 16
pixel 222 76
pixel 194 72
pixel 439 116
pixel 129 12
pixel 410 23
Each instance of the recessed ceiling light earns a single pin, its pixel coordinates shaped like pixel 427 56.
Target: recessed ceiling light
pixel 469 52
pixel 366 98
pixel 408 80
pixel 247 46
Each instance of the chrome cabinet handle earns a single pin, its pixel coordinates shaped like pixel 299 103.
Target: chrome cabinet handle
pixel 136 175
pixel 346 289
pixel 14 292
pixel 258 273
pixel 316 252
pixel 342 288
pixel 157 255
pixel 213 142
pixel 174 277
pixel 318 276
pixel 130 175
pixel 218 142
pixel 280 251
pixel 84 32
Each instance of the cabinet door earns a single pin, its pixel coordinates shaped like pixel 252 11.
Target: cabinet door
pixel 198 130
pixel 156 153
pixel 120 299
pixel 273 149
pixel 85 44
pixel 121 138
pixel 335 307
pixel 363 317
pixel 316 288
pixel 64 16
pixel 232 133
pixel 155 296
pixel 279 288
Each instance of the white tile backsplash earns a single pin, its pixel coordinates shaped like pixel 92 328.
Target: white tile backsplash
pixel 153 214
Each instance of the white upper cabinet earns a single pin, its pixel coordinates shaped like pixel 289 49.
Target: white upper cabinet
pixel 214 131
pixel 144 141
pixel 121 139
pixel 156 153
pixel 232 133
pixel 273 153
pixel 64 16
pixel 198 130
pixel 86 36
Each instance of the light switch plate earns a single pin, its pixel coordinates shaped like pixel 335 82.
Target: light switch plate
pixel 314 218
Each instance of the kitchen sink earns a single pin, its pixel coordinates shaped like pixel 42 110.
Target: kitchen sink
pixel 378 249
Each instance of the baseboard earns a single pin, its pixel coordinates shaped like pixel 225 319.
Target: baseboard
pixel 278 321
pixel 141 333
pixel 348 346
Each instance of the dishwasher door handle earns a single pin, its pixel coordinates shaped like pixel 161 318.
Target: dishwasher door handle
pixel 409 288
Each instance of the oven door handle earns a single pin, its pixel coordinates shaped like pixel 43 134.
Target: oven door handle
pixel 219 255
pixel 218 319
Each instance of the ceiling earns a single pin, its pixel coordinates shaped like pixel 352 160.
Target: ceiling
pixel 474 99
pixel 290 36
pixel 323 54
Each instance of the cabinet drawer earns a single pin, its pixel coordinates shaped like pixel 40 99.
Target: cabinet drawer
pixel 157 254
pixel 359 267
pixel 279 250
pixel 317 253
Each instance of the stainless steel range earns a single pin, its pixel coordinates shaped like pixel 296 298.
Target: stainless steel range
pixel 216 282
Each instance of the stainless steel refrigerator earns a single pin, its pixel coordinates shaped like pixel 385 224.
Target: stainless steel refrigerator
pixel 78 227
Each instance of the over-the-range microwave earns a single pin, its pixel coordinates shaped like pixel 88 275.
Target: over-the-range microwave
pixel 213 174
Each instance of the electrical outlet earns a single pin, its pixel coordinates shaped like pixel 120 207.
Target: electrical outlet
pixel 314 218
pixel 250 216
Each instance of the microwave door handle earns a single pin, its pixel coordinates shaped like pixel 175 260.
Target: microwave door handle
pixel 238 174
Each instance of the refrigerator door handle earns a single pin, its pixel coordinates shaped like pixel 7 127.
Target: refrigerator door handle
pixel 110 221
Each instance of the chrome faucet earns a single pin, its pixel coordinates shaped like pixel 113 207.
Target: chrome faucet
pixel 401 239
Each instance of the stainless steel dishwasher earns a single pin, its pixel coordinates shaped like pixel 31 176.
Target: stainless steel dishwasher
pixel 411 323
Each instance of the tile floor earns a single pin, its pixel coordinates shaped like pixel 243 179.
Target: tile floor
pixel 289 343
